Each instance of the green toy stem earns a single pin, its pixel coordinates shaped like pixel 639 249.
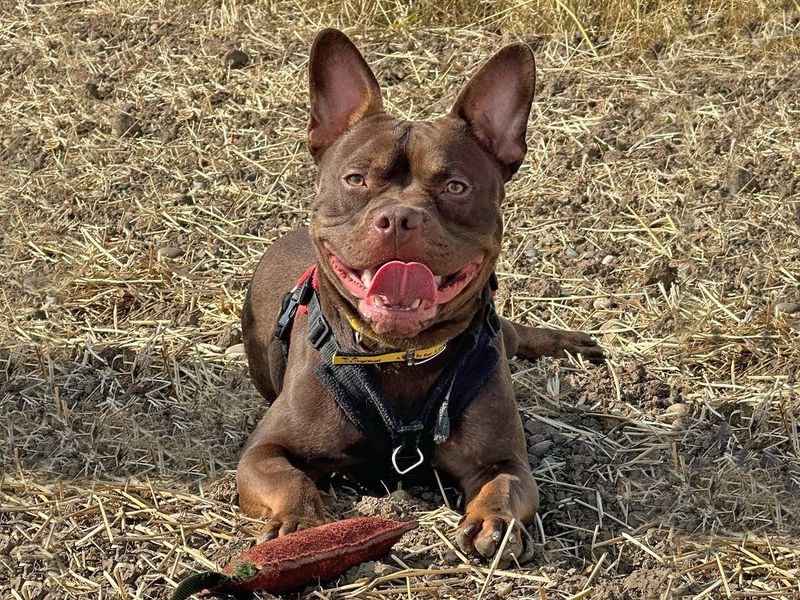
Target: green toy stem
pixel 197 583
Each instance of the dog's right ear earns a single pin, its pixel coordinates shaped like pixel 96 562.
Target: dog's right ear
pixel 343 89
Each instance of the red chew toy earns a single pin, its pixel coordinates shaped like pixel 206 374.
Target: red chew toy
pixel 295 560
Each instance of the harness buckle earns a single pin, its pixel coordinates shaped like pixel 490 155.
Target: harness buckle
pixel 305 291
pixel 283 327
pixel 298 296
pixel 318 331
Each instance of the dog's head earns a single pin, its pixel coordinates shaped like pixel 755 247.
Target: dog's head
pixel 406 221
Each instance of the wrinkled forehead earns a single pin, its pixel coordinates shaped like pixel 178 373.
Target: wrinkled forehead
pixel 422 148
pixel 445 146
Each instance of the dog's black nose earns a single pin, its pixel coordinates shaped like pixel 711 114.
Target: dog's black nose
pixel 400 221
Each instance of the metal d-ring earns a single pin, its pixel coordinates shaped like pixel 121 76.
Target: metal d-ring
pixel 412 467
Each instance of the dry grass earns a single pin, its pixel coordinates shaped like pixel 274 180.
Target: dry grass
pixel 658 208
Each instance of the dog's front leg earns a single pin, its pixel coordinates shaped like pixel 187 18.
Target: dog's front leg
pixel 270 486
pixel 487 456
pixel 301 437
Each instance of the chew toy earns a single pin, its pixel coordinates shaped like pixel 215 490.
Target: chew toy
pixel 297 559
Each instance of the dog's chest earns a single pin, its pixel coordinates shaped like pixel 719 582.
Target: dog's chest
pixel 405 388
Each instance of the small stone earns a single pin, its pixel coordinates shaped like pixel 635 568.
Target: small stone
pixel 51 299
pixel 199 184
pixel 542 448
pixel 382 569
pixel 603 303
pixel 531 253
pixel 570 252
pixel 535 438
pixel 236 59
pixel 170 252
pixel 608 259
pixel 676 411
pixel 788 308
pixel 235 350
pixel 504 590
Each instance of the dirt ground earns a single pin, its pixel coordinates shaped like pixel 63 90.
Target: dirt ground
pixel 148 155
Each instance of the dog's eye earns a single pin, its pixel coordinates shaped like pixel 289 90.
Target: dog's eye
pixel 455 187
pixel 355 179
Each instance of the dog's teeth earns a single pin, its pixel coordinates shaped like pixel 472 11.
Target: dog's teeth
pixel 378 301
pixel 438 279
pixel 366 277
pixel 415 304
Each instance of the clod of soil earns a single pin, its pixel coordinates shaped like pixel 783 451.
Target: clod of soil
pixel 741 178
pixel 237 59
pixel 662 272
pixel 125 125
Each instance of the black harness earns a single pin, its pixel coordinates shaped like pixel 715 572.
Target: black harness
pixel 355 388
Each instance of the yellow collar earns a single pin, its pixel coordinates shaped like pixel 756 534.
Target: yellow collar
pixel 414 356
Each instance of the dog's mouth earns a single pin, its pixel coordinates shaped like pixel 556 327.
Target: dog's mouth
pixel 401 298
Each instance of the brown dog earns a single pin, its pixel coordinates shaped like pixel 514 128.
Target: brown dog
pixel 405 232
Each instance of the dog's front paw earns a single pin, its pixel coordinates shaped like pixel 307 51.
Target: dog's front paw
pixel 483 535
pixel 574 342
pixel 284 524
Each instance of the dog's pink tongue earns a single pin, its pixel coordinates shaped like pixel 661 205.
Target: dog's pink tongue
pixel 400 284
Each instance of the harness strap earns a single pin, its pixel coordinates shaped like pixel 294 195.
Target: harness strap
pixel 355 383
pixel 356 390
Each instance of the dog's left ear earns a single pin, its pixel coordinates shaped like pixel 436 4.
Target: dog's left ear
pixel 496 104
